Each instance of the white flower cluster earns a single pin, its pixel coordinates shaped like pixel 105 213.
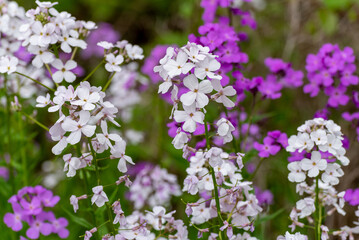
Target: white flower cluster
pixel 86 110
pixel 196 67
pixel 235 194
pixel 153 186
pixel 322 141
pixel 296 236
pixel 319 135
pixel 116 54
pixel 139 225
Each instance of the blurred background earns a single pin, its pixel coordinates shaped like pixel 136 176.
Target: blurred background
pixel 287 29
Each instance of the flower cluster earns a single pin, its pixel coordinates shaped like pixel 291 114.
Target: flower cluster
pixel 29 206
pixel 143 226
pixel 272 144
pixel 235 195
pixel 322 141
pixel 210 9
pixel 332 70
pixel 152 186
pixel 211 170
pixel 103 32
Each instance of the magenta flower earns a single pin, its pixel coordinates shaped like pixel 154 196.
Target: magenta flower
pixel 48 199
pixel 33 207
pixel 13 220
pixel 267 148
pixel 352 196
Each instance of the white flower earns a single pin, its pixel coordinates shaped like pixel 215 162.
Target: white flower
pixel 180 139
pixel 113 63
pixel 300 142
pixel 105 137
pixel 306 207
pixel 314 165
pixel 296 174
pixel 334 129
pixel 78 128
pixel 215 156
pixel 197 91
pixel 296 236
pixel 134 51
pixel 44 35
pixel 118 151
pixel 74 202
pixel 180 66
pixel 71 40
pixel 8 64
pixel 86 100
pixel 319 137
pixel 99 197
pixel 189 116
pixel 331 174
pixel 72 164
pixel 221 96
pixel 42 55
pixel 43 101
pixel 194 53
pixel 105 45
pixel 333 145
pixel 225 129
pixel 200 213
pixel 206 68
pixel 165 86
pixel 190 184
pixel 64 71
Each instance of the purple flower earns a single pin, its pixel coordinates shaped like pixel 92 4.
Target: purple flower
pixel 270 88
pixel 13 220
pixel 337 96
pixel 264 197
pixel 39 226
pixel 28 206
pixel 322 113
pixel 59 227
pixel 332 70
pixel 48 199
pixel 4 173
pixel 297 156
pixel 267 148
pixel 33 207
pixel 352 196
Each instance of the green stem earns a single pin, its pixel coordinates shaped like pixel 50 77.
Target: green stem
pixel 22 151
pixel 250 119
pixel 49 69
pixel 34 80
pixel 218 206
pixel 73 53
pixel 98 183
pixel 35 121
pixel 318 209
pixel 257 168
pixel 8 128
pixel 109 213
pixel 108 82
pixel 94 70
pixel 95 160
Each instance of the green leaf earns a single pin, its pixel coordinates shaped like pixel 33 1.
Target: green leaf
pixel 270 217
pixel 337 4
pixel 81 221
pixel 328 20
